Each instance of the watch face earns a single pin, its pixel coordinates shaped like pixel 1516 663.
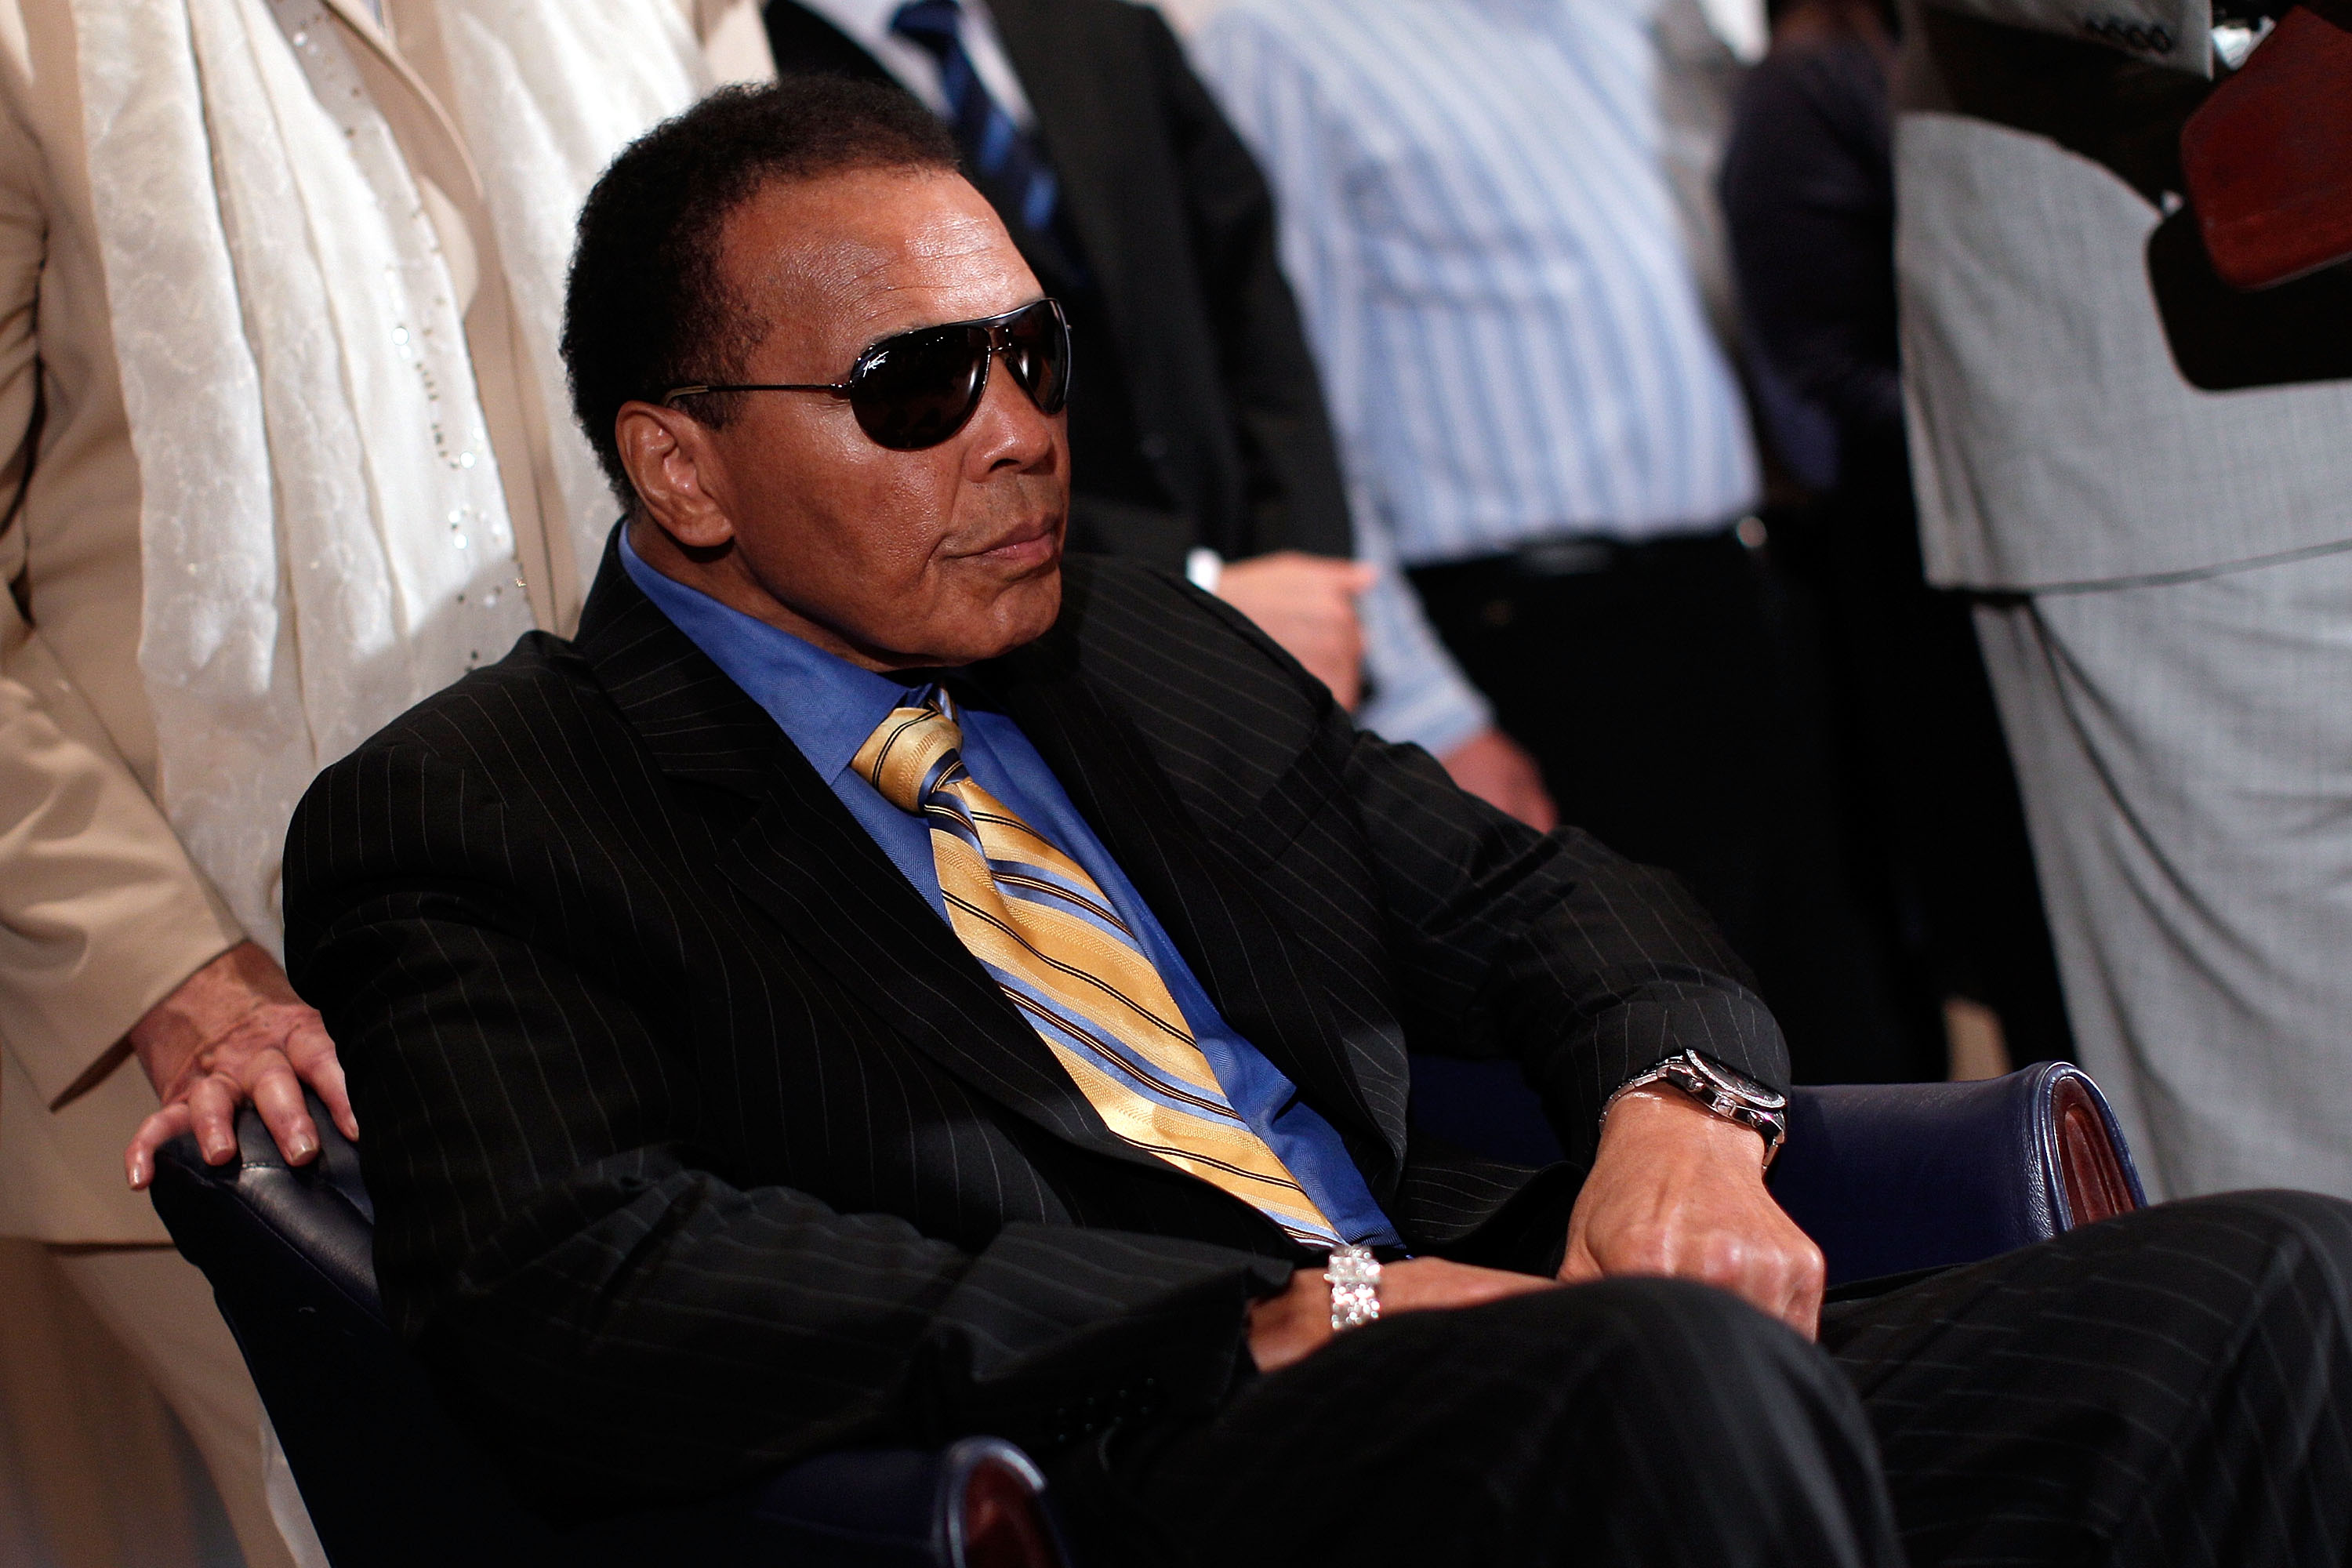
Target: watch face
pixel 1739 1083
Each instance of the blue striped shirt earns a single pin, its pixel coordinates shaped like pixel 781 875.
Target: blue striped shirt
pixel 1479 226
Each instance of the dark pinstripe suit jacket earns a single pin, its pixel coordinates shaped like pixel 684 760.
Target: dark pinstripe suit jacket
pixel 697 1142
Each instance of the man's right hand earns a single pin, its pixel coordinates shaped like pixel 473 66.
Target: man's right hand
pixel 231 1032
pixel 1293 1324
pixel 1308 604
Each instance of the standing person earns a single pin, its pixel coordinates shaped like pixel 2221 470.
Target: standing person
pixel 1198 431
pixel 278 295
pixel 1808 188
pixel 1477 220
pixel 2168 567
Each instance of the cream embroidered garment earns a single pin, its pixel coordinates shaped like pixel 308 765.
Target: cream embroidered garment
pixel 324 537
pixel 548 93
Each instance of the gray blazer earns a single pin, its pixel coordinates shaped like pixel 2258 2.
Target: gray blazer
pixel 2054 440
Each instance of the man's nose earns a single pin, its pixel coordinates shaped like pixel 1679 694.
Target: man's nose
pixel 1009 429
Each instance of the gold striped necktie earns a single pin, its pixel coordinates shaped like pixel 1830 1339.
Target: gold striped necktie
pixel 1050 937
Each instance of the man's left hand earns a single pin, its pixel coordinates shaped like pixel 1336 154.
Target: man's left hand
pixel 1678 1191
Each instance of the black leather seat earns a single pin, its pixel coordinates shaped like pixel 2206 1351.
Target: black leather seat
pixel 391 1483
pixel 1886 1178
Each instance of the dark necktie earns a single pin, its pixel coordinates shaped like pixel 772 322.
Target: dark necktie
pixel 1008 164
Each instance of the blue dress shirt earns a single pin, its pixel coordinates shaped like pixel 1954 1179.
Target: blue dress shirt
pixel 829 706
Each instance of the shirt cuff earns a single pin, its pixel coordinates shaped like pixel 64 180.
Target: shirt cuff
pixel 1438 719
pixel 1203 568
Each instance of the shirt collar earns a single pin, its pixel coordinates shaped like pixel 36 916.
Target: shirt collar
pixel 827 705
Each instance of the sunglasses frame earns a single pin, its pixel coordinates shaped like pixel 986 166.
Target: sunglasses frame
pixel 1000 340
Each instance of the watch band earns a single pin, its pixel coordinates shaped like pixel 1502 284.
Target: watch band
pixel 1354 1276
pixel 1727 1094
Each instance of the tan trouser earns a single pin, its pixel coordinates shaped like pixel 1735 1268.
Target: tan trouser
pixel 90 1339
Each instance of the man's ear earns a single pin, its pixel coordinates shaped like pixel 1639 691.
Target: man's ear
pixel 669 460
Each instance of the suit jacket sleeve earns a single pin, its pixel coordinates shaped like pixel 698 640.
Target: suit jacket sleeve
pixel 1291 468
pixel 1549 948
pixel 101 912
pixel 626 1323
pixel 2176 33
pixel 1488 939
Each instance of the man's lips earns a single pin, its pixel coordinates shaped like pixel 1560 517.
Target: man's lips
pixel 1032 543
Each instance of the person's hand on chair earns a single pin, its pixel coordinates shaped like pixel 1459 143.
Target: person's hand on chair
pixel 231 1032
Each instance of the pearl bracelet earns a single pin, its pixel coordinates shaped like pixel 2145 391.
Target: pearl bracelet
pixel 1354 1276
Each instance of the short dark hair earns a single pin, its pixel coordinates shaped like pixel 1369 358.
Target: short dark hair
pixel 647 309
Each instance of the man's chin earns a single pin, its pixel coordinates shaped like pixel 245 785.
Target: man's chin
pixel 1028 607
pixel 994 618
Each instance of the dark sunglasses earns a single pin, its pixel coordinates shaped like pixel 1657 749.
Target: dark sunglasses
pixel 915 389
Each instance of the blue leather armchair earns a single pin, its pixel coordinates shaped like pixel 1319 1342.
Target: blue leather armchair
pixel 1886 1178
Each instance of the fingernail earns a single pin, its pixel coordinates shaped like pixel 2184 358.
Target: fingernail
pixel 301 1149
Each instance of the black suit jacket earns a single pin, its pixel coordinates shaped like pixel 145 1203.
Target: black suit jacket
pixel 699 1143
pixel 1196 417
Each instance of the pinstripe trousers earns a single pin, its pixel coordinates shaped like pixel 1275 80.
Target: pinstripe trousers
pixel 2168 1388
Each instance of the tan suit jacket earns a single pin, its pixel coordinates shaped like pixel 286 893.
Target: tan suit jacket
pixel 101 912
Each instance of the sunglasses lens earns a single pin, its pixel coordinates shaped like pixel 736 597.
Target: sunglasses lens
pixel 917 390
pixel 1037 352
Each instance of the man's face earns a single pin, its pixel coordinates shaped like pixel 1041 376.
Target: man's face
pixel 893 559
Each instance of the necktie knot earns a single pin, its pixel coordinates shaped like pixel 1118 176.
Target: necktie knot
pixel 1004 158
pixel 912 752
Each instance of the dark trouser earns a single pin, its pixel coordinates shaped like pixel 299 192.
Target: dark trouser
pixel 2170 1388
pixel 1655 687
pixel 1933 798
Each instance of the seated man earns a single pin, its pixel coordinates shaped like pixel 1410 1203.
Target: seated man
pixel 883 981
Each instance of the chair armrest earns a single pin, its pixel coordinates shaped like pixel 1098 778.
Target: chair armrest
pixel 1887 1178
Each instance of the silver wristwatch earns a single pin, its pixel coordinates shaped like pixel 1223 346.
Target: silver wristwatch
pixel 1354 1276
pixel 1733 1096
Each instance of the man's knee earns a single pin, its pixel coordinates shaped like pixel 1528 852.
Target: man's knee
pixel 2275 1265
pixel 2291 1228
pixel 2303 1240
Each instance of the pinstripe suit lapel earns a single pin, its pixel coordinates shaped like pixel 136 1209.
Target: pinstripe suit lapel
pixel 803 860
pixel 1238 951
